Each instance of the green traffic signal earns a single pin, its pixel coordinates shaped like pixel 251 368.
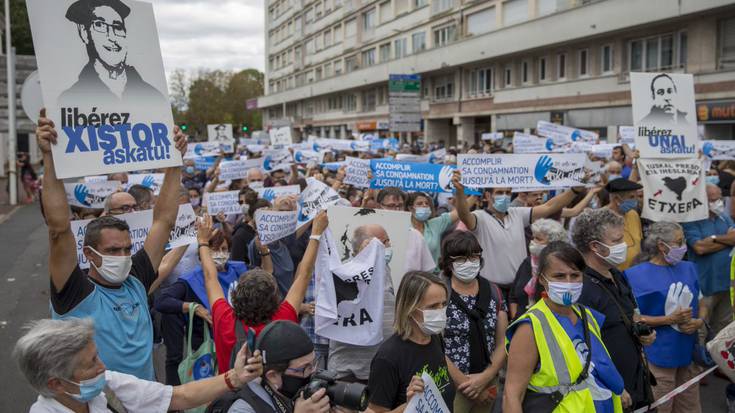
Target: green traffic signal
pixel 244 128
pixel 184 127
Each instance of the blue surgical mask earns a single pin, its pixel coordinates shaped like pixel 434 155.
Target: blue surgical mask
pixel 422 213
pixel 612 177
pixel 501 204
pixel 628 205
pixel 89 389
pixel 189 170
pixel 713 179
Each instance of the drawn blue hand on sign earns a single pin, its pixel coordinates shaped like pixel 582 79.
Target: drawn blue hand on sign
pixel 269 195
pixel 302 216
pixel 707 149
pixel 549 144
pixel 445 178
pixel 148 182
pixel 576 135
pixel 316 147
pixel 80 193
pixel 353 146
pixel 543 166
pixel 268 163
pixel 198 149
pixel 298 156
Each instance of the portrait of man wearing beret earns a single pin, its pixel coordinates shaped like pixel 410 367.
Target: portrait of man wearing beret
pixel 106 77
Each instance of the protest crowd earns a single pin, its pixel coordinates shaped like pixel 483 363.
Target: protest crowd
pixel 245 289
pixel 545 272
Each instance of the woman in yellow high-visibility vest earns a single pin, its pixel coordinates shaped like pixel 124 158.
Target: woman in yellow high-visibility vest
pixel 550 365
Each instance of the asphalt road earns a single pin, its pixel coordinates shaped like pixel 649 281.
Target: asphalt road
pixel 24 296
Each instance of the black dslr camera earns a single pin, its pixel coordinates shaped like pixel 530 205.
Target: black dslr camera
pixel 641 329
pixel 352 396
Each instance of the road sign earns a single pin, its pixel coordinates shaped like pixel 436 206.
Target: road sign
pixel 404 103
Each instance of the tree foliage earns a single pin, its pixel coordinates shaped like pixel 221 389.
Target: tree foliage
pixel 215 96
pixel 20 27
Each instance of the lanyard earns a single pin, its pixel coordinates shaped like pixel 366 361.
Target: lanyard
pixel 280 406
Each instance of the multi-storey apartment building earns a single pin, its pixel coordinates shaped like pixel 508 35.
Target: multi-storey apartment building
pixel 491 65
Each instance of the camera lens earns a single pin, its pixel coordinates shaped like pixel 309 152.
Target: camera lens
pixel 353 396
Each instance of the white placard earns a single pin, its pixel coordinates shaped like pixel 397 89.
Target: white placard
pixel 664 115
pixel 343 221
pixel 429 401
pixel 673 190
pixel 309 156
pixel 201 149
pixel 111 120
pixel 281 136
pixel 256 148
pixel 185 231
pixel 221 134
pixel 562 134
pixel 357 171
pixel 90 195
pixel 273 192
pixel 226 202
pixel 274 225
pixel 277 159
pixel 521 171
pixel 31 96
pixel 408 157
pixel 229 170
pixel 626 135
pixel 492 136
pixel 153 182
pixel 316 197
pixel 95 178
pixel 718 150
pixel 527 143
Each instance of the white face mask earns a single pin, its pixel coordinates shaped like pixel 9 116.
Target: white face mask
pixel 220 258
pixel 115 269
pixel 717 207
pixel 434 321
pixel 466 271
pixel 535 248
pixel 617 255
pixel 388 255
pixel 564 294
pixel 255 185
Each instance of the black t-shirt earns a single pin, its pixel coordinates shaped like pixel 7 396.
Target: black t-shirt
pixel 623 347
pixel 397 361
pixel 80 285
pixel 518 294
pixel 241 237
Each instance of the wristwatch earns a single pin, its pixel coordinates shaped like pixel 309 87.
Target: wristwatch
pixel 315 237
pixel 714 239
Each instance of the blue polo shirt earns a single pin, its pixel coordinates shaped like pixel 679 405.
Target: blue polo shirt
pixel 714 269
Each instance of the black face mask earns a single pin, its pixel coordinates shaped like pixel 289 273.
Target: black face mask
pixel 291 385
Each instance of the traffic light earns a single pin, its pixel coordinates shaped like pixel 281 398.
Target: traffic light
pixel 184 127
pixel 244 128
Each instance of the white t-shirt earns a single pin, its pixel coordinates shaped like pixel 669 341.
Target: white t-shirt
pixel 418 254
pixel 503 243
pixel 136 395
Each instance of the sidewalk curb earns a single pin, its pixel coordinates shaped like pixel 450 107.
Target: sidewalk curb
pixel 6 216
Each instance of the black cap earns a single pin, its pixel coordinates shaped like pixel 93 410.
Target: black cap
pixel 622 185
pixel 80 12
pixel 282 341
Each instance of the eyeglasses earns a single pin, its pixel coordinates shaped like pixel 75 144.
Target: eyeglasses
pixel 124 209
pixel 395 207
pixel 117 29
pixel 306 370
pixel 465 259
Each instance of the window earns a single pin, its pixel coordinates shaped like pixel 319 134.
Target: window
pixel 444 36
pixel 439 6
pixel 384 52
pixel 418 41
pixel 444 87
pixel 515 11
pixel 525 75
pixel 318 45
pixel 386 11
pixel 657 53
pixel 542 69
pixel 337 34
pixel 368 20
pixel 420 3
pixel 546 6
pixel 334 103
pixel 399 48
pixel 606 59
pixel 561 66
pixel 481 81
pixel 584 62
pixel 318 9
pixel 337 67
pixel 350 28
pixel 508 76
pixel 481 22
pixel 309 15
pixel 318 73
pixel 351 63
pixel 350 103
pixel 327 37
pixel 328 70
pixel 368 57
pixel 369 99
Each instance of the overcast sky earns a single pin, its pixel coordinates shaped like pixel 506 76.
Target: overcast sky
pixel 212 34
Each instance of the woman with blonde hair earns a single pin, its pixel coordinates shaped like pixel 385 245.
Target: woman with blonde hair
pixel 415 347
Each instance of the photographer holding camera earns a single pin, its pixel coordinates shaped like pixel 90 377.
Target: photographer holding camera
pixel 290 382
pixel 599 236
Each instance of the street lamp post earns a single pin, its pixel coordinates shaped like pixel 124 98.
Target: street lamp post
pixel 10 61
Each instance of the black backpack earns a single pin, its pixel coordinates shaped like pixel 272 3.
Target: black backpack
pixel 223 404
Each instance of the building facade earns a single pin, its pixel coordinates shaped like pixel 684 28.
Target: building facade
pixel 491 65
